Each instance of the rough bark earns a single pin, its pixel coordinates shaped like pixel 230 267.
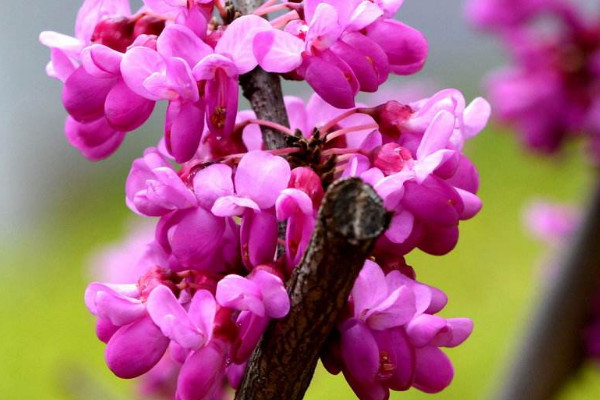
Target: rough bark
pixel 552 350
pixel 350 220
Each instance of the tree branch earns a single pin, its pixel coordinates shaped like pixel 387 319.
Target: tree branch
pixel 263 90
pixel 349 222
pixel 553 350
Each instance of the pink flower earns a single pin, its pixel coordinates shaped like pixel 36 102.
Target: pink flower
pixel 392 339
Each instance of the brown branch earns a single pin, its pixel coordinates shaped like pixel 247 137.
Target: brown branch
pixel 552 351
pixel 263 90
pixel 350 220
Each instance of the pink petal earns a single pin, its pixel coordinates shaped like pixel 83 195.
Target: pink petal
pixel 476 117
pixel 401 356
pixel 261 177
pixel 84 95
pixel 202 311
pixel 293 201
pixel 202 373
pixel 240 293
pixel 278 51
pixel 135 348
pixel 407 52
pixel 437 135
pixel 139 64
pixel 424 328
pixel 173 321
pixel 258 238
pixel 396 310
pixel 458 330
pixel 332 79
pixel 236 42
pixel 96 140
pixel 369 288
pixel 179 41
pixel 101 61
pixel 229 206
pixel 93 11
pixel 125 110
pixel 324 28
pixel 274 295
pixel 472 204
pixel 213 182
pixel 401 227
pixel 183 129
pixel 434 370
pixel 359 352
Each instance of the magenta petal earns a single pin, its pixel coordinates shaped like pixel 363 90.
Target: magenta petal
pixel 139 64
pixel 258 237
pixel 135 348
pixel 401 227
pixel 437 135
pixel 211 183
pixel 236 42
pixel 240 293
pixel 229 206
pixel 221 103
pixel 261 177
pixel 202 311
pixel 401 356
pixel 105 330
pixel 194 237
pixel 407 52
pixel 173 321
pixel 180 41
pixel 434 202
pixel 84 95
pixel 472 204
pixel 125 110
pixel 96 140
pixel 359 352
pixel 369 288
pixel 434 370
pixel 273 293
pixel 184 125
pixel 202 373
pixel 333 80
pixel 119 310
pixel 424 328
pixel 101 61
pixel 457 331
pixel 251 328
pixel 278 51
pixel 396 310
pixel 293 201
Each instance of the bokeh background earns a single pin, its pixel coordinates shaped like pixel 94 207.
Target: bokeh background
pixel 56 208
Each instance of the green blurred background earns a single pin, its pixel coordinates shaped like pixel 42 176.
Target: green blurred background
pixel 56 208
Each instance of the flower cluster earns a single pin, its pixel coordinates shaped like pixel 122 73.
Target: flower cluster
pixel 188 302
pixel 551 90
pixel 120 64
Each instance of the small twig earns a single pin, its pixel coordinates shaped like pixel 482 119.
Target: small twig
pixel 552 351
pixel 349 222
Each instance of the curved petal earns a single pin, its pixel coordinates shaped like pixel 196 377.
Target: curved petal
pixel 278 51
pixel 237 41
pixel 173 320
pixel 274 295
pixel 135 348
pixel 184 125
pixel 261 177
pixel 180 41
pixel 126 110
